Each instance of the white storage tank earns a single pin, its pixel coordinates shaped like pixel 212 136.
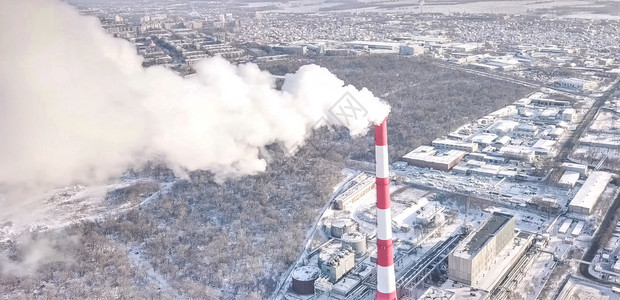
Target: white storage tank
pixel 355 240
pixel 341 226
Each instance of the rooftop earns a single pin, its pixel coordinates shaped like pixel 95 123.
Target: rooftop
pixel 569 177
pixel 475 241
pixel 356 184
pixel 434 293
pixel 306 273
pixel 427 153
pixel 506 257
pixel 591 190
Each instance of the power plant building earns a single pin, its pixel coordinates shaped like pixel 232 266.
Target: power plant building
pixel 478 251
pixel 358 187
pixel 427 157
pixel 335 264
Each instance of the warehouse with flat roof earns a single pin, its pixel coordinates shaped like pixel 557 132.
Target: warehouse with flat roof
pixel 455 145
pixel 358 187
pixel 589 194
pixel 428 157
pixel 568 179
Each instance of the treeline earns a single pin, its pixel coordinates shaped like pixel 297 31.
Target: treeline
pixel 199 240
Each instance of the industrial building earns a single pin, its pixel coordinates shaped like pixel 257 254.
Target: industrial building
pixel 549 102
pixel 549 113
pixel 291 49
pixel 523 153
pixel 428 213
pixel 565 226
pixel 579 168
pixel 527 130
pixel 502 141
pixel 569 115
pixel 504 63
pixel 476 167
pixel 484 139
pixel 455 145
pixel 544 147
pixel 367 45
pixel 568 179
pixel 589 194
pixel 427 157
pixel 501 127
pixel 576 84
pixel 411 50
pixel 336 263
pixel 479 250
pixel 359 186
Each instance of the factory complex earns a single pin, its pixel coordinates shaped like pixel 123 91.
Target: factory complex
pixel 470 213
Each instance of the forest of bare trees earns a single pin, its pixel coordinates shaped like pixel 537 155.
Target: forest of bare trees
pixel 234 240
pixel 427 101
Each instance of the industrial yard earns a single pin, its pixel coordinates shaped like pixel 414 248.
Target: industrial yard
pixel 487 211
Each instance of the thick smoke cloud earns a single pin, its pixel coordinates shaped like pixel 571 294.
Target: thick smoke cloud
pixel 77 106
pixel 29 255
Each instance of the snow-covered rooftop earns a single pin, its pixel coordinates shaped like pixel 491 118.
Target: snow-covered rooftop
pixel 306 273
pixel 474 242
pixel 591 190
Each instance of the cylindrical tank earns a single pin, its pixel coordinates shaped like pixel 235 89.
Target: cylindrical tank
pixel 304 278
pixel 342 226
pixel 355 240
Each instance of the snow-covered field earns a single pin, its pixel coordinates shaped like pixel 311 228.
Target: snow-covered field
pixel 72 204
pixel 445 7
pixel 591 16
pixel 601 140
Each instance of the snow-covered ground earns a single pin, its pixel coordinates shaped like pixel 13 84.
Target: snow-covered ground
pixel 592 16
pixel 601 140
pixel 492 188
pixel 604 130
pixel 582 290
pixel 72 204
pixel 590 155
pixel 536 277
pixel 445 7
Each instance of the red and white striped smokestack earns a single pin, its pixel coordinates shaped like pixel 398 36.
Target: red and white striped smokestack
pixel 386 280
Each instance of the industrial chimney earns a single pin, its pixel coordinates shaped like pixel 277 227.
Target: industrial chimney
pixel 386 280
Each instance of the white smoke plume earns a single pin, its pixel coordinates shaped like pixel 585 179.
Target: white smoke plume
pixel 50 248
pixel 76 105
